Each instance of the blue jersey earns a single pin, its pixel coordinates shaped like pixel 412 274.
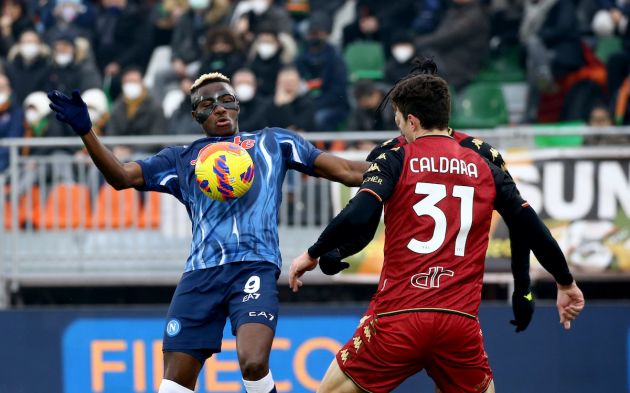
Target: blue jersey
pixel 244 229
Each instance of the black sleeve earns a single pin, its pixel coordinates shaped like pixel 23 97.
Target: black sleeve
pixel 485 150
pixel 519 261
pixel 520 216
pixel 354 227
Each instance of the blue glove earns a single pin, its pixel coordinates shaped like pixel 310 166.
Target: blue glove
pixel 71 110
pixel 331 263
pixel 523 306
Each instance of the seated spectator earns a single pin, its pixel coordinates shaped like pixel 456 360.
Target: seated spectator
pixel 39 123
pixel 554 49
pixel 250 16
pixel 399 65
pixel 187 42
pixel 28 66
pixel 253 107
pixel 224 52
pixel 11 118
pixel 135 112
pixel 181 121
pixel 321 65
pixel 460 44
pixel 366 116
pixel 71 68
pixel 75 17
pixel 600 117
pixel 267 56
pixel 291 108
pixel 123 38
pixel 378 20
pixel 13 21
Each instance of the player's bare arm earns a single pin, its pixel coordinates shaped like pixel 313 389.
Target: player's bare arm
pixel 340 170
pixel 73 111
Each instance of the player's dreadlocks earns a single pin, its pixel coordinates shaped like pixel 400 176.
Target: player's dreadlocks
pixel 208 78
pixel 423 94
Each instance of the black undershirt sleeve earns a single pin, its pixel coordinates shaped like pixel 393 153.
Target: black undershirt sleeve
pixel 354 227
pixel 535 235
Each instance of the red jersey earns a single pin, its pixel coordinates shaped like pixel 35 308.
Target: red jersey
pixel 438 198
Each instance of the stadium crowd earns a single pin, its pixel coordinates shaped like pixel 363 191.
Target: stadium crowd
pixel 320 65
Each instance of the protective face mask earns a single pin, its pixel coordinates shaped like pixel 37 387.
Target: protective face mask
pixel 63 59
pixel 132 90
pixel 402 53
pixel 4 97
pixel 244 92
pixel 68 14
pixel 32 116
pixel 259 6
pixel 29 50
pixel 266 50
pixel 199 4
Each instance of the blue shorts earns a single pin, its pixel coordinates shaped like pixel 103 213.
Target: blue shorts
pixel 246 292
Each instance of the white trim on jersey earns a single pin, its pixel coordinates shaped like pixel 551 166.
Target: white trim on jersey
pixel 166 179
pixel 296 155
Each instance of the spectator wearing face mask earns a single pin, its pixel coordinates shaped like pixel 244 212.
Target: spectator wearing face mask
pixel 38 124
pixel 13 21
pixel 324 70
pixel 253 107
pixel 224 52
pixel 187 42
pixel 268 54
pixel 98 109
pixel 11 119
pixel 71 67
pixel 28 66
pixel 135 112
pixel 291 108
pixel 400 63
pixel 74 17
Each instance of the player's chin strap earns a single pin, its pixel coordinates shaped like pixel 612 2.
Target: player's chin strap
pixel 202 116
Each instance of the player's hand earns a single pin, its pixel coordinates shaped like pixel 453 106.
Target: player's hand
pixel 570 302
pixel 299 266
pixel 331 263
pixel 523 305
pixel 71 110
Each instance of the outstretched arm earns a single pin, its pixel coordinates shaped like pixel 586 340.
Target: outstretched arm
pixel 73 111
pixel 340 170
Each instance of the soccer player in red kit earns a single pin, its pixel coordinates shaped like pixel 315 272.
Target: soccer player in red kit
pixel 438 198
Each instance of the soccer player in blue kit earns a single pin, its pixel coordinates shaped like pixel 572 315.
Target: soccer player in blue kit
pixel 234 260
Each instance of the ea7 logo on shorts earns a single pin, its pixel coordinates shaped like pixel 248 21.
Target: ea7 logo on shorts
pixel 249 296
pixel 430 279
pixel 267 315
pixel 173 327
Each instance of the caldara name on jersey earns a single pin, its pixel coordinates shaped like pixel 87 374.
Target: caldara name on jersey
pixel 444 165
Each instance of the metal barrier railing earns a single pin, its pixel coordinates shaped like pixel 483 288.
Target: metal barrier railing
pixel 62 225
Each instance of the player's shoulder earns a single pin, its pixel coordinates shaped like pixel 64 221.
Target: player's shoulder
pixel 384 147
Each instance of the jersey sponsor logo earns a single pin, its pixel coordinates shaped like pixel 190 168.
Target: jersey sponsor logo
pixel 263 314
pixel 373 179
pixel 173 327
pixel 443 165
pixel 431 279
pixel 246 144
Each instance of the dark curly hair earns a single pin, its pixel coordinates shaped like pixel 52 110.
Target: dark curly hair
pixel 423 94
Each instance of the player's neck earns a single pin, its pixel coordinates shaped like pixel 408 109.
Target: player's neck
pixel 422 132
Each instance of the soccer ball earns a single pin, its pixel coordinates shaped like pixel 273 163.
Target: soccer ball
pixel 224 171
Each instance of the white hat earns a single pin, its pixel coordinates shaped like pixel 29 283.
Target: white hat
pixel 97 100
pixel 39 101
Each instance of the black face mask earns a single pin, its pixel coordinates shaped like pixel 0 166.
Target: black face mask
pixel 203 115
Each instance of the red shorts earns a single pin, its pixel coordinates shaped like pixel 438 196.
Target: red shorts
pixel 387 350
